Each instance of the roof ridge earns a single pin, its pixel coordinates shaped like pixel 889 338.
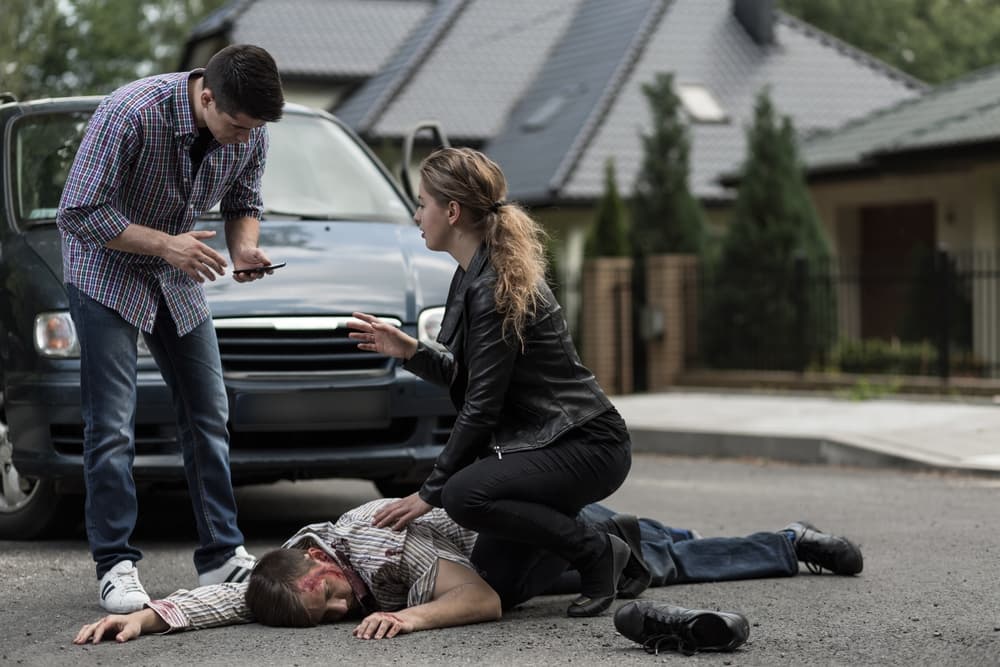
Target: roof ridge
pixel 932 93
pixel 217 21
pixel 940 124
pixel 399 80
pixel 655 13
pixel 223 16
pixel 850 50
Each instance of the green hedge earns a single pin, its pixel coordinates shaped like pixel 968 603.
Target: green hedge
pixel 894 357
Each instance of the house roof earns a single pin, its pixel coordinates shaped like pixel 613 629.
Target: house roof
pixel 817 80
pixel 958 113
pixel 328 39
pixel 472 73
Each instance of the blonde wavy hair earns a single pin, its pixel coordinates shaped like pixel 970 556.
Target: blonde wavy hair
pixel 515 241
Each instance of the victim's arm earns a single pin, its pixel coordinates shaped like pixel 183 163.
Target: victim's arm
pixel 461 597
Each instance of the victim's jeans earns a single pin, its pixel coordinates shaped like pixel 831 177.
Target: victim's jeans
pixel 192 370
pixel 673 561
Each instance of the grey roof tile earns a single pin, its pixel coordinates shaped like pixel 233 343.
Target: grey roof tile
pixel 365 106
pixel 815 79
pixel 329 38
pixel 565 103
pixel 479 68
pixel 959 112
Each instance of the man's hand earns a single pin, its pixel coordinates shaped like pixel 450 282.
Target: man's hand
pixel 398 514
pixel 247 258
pixel 374 335
pixel 383 625
pixel 124 627
pixel 196 259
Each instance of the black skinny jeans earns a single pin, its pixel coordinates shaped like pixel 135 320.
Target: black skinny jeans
pixel 524 507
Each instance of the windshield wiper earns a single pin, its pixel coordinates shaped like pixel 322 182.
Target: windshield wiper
pixel 301 216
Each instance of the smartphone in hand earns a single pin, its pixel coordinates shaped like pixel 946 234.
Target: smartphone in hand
pixel 260 269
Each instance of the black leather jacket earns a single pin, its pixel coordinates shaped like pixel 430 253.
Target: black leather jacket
pixel 508 398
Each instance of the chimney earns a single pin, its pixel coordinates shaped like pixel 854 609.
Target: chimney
pixel 757 18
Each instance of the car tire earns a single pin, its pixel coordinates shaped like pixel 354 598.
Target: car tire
pixel 392 488
pixel 30 507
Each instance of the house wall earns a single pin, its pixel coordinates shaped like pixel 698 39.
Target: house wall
pixel 967 210
pixel 319 95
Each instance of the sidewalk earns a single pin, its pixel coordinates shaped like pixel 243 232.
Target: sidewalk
pixel 916 434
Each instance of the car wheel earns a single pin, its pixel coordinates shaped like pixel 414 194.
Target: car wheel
pixel 29 507
pixel 391 488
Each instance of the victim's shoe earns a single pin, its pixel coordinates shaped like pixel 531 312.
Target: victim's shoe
pixel 234 570
pixel 662 626
pixel 819 550
pixel 636 575
pixel 120 590
pixel 599 581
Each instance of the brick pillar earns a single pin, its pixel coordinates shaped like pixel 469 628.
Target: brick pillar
pixel 670 283
pixel 606 322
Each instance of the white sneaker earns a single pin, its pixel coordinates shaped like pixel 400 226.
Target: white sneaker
pixel 120 590
pixel 234 570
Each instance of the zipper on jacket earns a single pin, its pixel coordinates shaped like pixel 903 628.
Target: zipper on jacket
pixel 496 448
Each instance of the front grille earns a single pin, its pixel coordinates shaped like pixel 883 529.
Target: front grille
pixel 442 430
pixel 162 439
pixel 294 345
pixel 398 432
pixel 149 439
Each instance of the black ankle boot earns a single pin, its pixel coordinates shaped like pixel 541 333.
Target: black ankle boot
pixel 599 582
pixel 636 575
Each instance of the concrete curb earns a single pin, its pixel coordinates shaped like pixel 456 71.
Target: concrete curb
pixel 790 449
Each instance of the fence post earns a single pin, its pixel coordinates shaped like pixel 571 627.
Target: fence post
pixel 799 297
pixel 943 274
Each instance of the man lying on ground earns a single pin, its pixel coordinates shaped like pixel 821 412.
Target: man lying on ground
pixel 420 578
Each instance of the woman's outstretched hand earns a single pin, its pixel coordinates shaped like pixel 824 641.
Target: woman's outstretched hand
pixel 374 335
pixel 398 514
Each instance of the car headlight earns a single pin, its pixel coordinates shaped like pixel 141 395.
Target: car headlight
pixel 55 335
pixel 429 325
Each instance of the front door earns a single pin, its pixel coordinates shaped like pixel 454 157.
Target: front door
pixel 892 240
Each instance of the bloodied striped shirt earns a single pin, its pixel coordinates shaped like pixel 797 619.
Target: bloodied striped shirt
pixel 398 568
pixel 134 167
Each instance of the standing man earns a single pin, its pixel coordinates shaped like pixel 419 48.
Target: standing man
pixel 158 153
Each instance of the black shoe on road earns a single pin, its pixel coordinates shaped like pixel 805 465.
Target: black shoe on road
pixel 660 626
pixel 819 550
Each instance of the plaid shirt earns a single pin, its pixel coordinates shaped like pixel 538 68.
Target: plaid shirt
pixel 134 167
pixel 399 568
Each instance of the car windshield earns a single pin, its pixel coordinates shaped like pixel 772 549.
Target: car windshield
pixel 314 170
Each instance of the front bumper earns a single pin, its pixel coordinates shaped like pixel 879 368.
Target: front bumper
pixel 390 427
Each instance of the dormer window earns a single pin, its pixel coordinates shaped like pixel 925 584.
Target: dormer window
pixel 700 105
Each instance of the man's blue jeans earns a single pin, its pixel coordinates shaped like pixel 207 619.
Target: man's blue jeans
pixel 191 367
pixel 673 561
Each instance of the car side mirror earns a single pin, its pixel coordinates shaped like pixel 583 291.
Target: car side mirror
pixel 440 139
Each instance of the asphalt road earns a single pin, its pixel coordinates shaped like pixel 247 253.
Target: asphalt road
pixel 929 593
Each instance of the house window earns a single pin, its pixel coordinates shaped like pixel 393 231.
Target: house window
pixel 700 104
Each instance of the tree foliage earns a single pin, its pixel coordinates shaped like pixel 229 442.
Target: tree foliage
pixel 770 302
pixel 666 218
pixel 933 40
pixel 78 47
pixel 609 234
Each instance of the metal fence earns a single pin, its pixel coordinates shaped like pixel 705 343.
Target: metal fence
pixel 930 313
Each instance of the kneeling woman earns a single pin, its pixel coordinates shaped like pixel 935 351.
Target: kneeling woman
pixel 535 438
